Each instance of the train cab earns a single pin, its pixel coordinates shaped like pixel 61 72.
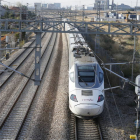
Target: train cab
pixel 86 84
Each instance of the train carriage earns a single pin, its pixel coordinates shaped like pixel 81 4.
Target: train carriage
pixel 86 79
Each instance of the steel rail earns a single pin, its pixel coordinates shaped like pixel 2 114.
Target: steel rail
pixel 37 88
pixel 87 129
pixel 1 120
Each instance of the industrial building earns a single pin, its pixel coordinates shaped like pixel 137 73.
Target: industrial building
pixel 52 6
pixel 45 6
pixel 104 4
pixel 38 6
pixel 57 5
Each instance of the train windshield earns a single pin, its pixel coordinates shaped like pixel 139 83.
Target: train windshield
pixel 86 74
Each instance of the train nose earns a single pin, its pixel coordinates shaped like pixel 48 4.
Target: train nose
pixel 87 110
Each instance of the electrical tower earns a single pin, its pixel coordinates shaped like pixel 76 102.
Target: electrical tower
pixel 83 12
pixel 97 38
pixel 0 32
pixel 98 11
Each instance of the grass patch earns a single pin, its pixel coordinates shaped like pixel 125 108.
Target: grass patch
pixel 130 42
pixel 127 72
pixel 131 104
pixel 22 43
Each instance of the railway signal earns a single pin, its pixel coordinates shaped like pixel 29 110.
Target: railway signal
pixel 132 137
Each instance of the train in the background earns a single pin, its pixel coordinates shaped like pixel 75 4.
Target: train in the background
pixel 86 78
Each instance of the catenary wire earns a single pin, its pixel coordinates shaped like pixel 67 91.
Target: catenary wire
pixel 113 98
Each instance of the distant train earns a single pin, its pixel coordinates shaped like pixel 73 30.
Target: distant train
pixel 86 79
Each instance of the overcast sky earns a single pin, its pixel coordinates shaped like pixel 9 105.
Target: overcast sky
pixel 69 2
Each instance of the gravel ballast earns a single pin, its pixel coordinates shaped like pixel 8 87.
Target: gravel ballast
pixel 50 118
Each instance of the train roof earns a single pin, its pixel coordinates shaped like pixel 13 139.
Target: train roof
pixel 85 60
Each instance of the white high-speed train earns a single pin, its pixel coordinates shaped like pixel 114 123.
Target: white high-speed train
pixel 86 79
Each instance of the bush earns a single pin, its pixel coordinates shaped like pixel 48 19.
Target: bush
pixel 22 43
pixel 127 72
pixel 16 36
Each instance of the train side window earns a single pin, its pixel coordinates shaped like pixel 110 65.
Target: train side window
pixel 72 76
pixel 101 77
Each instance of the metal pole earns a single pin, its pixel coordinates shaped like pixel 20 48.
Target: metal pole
pixel 134 45
pixel 83 12
pixel 37 58
pixel 133 57
pixel 21 22
pixel 70 14
pixel 105 64
pixel 125 79
pixel 0 32
pixel 137 121
pixel 61 15
pixel 98 18
pixel 27 12
pixel 36 11
pixel 75 13
pixel 98 11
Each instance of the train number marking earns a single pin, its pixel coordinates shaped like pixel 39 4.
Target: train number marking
pixel 87 100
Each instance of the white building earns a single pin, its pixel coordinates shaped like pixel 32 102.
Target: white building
pixel 45 6
pixel 57 5
pixel 104 4
pixel 54 6
pixel 51 6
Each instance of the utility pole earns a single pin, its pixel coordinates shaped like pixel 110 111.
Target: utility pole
pixel 133 56
pixel 37 58
pixel 27 12
pixel 83 12
pixel 0 32
pixel 75 13
pixel 134 45
pixel 112 7
pixel 137 121
pixel 36 11
pixel 70 14
pixel 21 23
pixel 98 11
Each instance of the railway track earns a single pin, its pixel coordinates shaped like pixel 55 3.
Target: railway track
pixel 45 95
pixel 9 81
pixel 13 118
pixel 23 52
pixel 11 63
pixel 18 62
pixel 85 129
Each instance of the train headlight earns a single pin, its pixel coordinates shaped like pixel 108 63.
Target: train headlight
pixel 100 98
pixel 73 98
